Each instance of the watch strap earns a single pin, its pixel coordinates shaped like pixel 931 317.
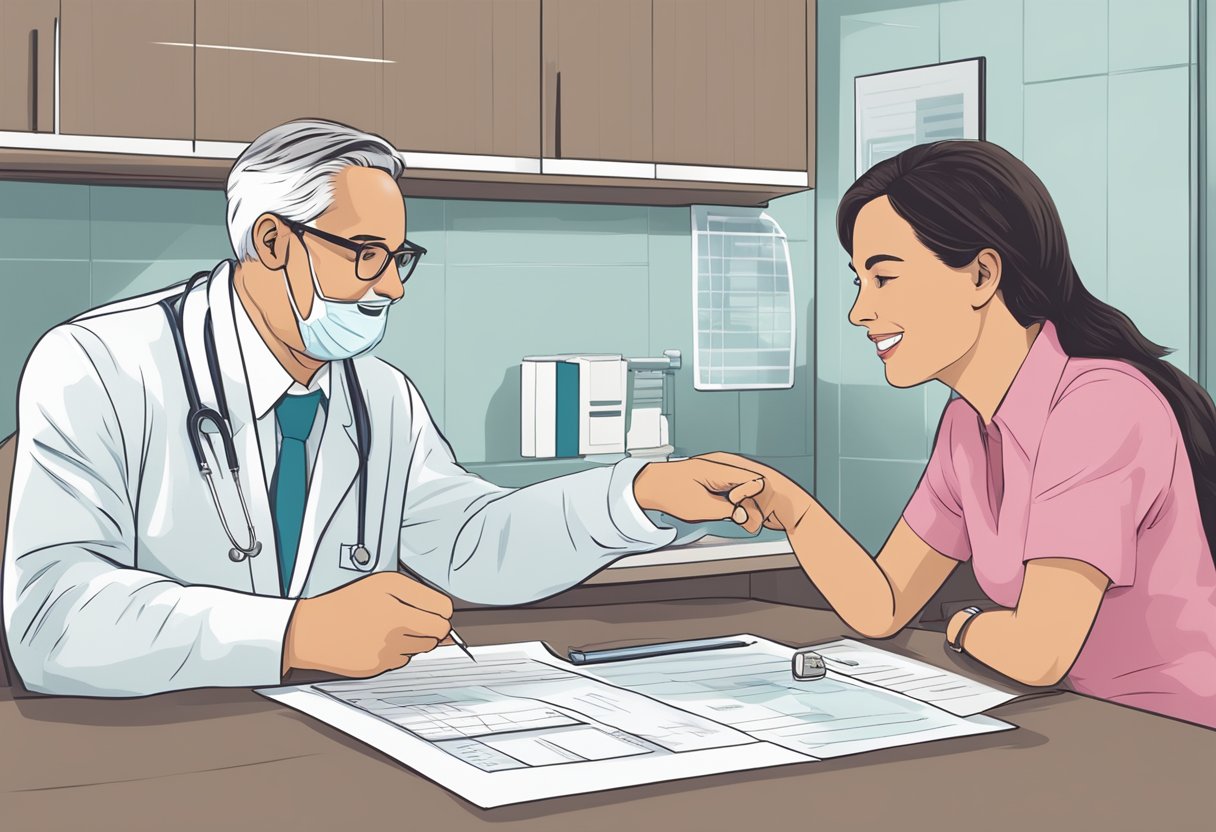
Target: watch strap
pixel 957 644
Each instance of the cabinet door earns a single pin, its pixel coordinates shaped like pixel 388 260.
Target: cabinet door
pixel 464 77
pixel 597 90
pixel 264 62
pixel 127 68
pixel 27 64
pixel 730 83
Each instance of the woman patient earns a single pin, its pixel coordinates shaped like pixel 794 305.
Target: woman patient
pixel 1076 470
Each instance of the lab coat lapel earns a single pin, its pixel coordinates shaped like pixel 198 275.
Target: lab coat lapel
pixel 332 481
pixel 221 296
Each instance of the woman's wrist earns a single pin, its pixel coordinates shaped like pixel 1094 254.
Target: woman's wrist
pixel 967 617
pixel 790 502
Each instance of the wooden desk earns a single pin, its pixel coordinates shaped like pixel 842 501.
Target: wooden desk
pixel 229 759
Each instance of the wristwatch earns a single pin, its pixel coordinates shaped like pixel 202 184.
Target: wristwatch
pixel 957 644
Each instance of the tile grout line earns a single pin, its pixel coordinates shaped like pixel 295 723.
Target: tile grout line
pixel 92 290
pixel 446 256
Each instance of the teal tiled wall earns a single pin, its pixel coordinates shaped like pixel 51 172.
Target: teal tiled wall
pixel 1094 96
pixel 500 281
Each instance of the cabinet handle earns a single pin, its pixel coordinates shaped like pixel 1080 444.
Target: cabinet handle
pixel 557 119
pixel 55 114
pixel 34 80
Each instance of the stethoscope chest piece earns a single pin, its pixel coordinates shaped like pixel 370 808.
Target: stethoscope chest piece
pixel 236 555
pixel 361 555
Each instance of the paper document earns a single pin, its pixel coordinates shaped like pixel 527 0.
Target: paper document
pixel 753 690
pixel 948 691
pixel 521 724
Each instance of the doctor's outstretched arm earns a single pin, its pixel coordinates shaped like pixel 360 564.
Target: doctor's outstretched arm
pixel 79 618
pixel 494 545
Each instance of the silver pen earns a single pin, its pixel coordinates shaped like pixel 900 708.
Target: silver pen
pixel 454 636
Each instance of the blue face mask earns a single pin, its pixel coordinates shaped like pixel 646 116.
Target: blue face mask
pixel 335 329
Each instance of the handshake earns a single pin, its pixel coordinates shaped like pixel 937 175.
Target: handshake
pixel 721 486
pixel 377 623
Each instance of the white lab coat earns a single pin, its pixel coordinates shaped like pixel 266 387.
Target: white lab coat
pixel 117 580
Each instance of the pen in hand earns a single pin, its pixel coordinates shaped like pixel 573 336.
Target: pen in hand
pixel 459 642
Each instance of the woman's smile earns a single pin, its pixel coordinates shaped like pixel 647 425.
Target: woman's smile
pixel 886 343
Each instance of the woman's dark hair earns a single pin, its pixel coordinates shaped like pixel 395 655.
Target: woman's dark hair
pixel 961 197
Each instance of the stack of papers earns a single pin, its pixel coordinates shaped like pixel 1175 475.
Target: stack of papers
pixel 521 724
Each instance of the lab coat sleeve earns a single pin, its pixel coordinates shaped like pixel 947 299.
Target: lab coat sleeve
pixel 79 617
pixel 494 545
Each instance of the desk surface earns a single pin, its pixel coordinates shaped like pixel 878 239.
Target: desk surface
pixel 229 759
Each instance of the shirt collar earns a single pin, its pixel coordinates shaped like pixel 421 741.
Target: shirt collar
pixel 268 380
pixel 1023 412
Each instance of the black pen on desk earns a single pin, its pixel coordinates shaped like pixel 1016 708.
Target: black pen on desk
pixel 645 651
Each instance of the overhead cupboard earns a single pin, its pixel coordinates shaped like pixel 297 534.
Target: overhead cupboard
pixel 644 101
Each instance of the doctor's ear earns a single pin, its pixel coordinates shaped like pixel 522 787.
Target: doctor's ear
pixel 269 242
pixel 987 277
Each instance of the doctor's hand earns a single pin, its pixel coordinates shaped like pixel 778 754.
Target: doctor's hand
pixel 781 504
pixel 698 490
pixel 369 626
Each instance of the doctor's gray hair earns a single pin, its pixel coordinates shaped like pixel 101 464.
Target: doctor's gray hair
pixel 289 170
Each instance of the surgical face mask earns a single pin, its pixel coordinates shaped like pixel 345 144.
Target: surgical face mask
pixel 336 329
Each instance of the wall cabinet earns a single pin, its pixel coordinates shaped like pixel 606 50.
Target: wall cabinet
pixel 664 102
pixel 597 81
pixel 464 76
pixel 263 62
pixel 126 68
pixel 27 64
pixel 730 83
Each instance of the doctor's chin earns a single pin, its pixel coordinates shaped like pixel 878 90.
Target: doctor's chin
pixel 216 482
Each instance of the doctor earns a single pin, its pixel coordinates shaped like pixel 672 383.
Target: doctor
pixel 214 485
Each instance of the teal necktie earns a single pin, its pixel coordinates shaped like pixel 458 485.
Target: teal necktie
pixel 289 487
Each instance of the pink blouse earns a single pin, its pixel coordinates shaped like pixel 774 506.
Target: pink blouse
pixel 1084 460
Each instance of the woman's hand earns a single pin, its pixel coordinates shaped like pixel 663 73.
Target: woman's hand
pixel 782 502
pixel 875 596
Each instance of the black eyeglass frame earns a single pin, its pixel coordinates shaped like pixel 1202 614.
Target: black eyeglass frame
pixel 412 250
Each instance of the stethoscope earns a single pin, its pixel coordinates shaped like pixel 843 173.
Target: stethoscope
pixel 218 416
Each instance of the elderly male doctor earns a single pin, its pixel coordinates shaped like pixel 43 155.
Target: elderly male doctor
pixel 125 574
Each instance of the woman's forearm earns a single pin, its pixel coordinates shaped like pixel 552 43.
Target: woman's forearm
pixel 849 578
pixel 1017 647
pixel 1012 648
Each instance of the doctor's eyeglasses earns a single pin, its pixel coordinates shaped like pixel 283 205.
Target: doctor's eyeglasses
pixel 371 257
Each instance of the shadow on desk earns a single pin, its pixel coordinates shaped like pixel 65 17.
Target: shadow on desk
pixel 197 705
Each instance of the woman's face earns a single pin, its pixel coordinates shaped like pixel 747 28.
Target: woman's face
pixel 917 310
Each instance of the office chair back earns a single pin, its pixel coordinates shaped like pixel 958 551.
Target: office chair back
pixel 8 458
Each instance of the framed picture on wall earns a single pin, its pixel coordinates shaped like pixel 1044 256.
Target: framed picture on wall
pixel 906 107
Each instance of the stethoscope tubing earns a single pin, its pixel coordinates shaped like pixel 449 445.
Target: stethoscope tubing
pixel 199 414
